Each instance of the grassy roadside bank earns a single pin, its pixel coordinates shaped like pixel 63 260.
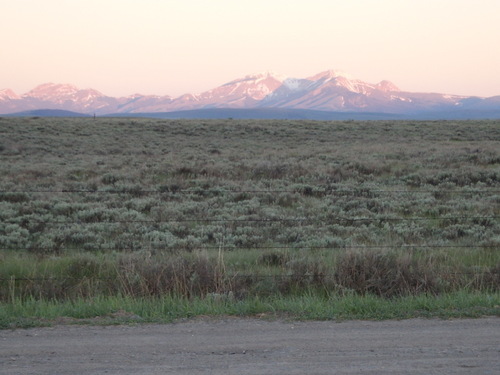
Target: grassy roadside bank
pixel 126 310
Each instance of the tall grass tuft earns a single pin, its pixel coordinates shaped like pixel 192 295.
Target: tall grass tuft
pixel 385 274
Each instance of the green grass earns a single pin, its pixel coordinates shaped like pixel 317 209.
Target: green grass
pixel 310 306
pixel 246 273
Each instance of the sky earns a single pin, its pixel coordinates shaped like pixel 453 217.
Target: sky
pixel 172 47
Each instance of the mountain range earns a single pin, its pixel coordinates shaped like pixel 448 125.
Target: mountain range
pixel 264 94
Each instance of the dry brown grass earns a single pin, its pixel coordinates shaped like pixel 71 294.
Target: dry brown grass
pixel 386 274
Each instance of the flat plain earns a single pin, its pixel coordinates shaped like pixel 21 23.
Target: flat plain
pixel 233 210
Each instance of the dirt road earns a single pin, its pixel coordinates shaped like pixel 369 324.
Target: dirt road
pixel 250 346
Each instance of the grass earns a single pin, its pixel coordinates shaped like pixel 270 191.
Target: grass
pixel 128 310
pixel 271 213
pixel 385 273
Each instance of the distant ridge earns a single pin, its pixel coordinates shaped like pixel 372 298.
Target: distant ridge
pixel 307 114
pixel 47 113
pixel 262 113
pixel 275 114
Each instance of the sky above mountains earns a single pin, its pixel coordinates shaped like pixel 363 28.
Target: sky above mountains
pixel 121 47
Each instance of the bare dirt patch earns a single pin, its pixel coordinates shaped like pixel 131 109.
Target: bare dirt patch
pixel 253 346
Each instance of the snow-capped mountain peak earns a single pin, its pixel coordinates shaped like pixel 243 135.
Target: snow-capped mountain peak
pixel 331 90
pixel 268 74
pixel 328 75
pixel 241 91
pixel 258 77
pixel 8 94
pixel 387 86
pixel 51 90
pixel 59 93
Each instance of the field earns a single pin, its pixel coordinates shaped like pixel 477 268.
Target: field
pixel 231 211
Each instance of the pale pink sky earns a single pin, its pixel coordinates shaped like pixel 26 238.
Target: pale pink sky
pixel 121 47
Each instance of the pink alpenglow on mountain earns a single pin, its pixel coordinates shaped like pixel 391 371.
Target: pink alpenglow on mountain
pixel 330 90
pixel 8 94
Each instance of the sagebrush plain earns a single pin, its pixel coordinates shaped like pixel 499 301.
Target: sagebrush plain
pixel 239 211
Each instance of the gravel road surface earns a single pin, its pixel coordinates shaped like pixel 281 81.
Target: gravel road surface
pixel 252 346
